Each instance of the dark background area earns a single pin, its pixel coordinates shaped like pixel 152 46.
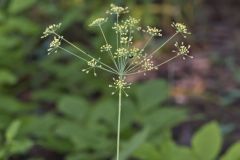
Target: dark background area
pixel 51 110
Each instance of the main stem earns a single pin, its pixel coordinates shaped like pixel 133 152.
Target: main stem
pixel 119 121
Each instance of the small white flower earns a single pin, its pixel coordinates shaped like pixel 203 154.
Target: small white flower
pixel 153 31
pixel 182 50
pixel 120 84
pixel 148 64
pixel 117 10
pixel 98 22
pixel 93 64
pixel 181 28
pixel 56 42
pixel 121 52
pixel 50 30
pixel 106 48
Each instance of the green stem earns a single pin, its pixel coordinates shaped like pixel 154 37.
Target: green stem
pixel 119 121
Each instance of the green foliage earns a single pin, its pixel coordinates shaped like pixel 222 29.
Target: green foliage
pixel 17 6
pixel 207 142
pixel 6 77
pixel 13 144
pixel 157 92
pixel 47 102
pixel 233 153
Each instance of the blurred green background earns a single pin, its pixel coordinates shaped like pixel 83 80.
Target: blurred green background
pixel 50 110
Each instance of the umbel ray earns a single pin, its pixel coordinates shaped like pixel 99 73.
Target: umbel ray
pixel 126 58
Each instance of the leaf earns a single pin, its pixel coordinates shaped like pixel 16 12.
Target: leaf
pixel 17 6
pixel 147 151
pixel 7 77
pixel 20 146
pixel 171 151
pixel 207 141
pixel 134 143
pixel 233 153
pixel 164 118
pixel 39 126
pixel 12 105
pixel 73 107
pixel 22 25
pixel 152 93
pixel 12 131
pixel 2 153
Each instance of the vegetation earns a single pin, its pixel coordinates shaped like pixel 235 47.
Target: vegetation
pixel 49 109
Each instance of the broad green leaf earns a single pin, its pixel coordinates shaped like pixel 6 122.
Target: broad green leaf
pixel 53 142
pixel 12 131
pixel 20 146
pixel 83 137
pixel 166 117
pixel 7 78
pixel 98 113
pixel 17 6
pixel 171 151
pixel 79 156
pixel 207 141
pixel 39 126
pixel 73 107
pixel 233 153
pixel 151 93
pixel 22 25
pixel 12 105
pixel 147 151
pixel 134 143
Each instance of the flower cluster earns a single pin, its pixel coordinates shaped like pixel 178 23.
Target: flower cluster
pixel 106 48
pixel 127 59
pixel 121 52
pixel 182 50
pixel 120 84
pixel 153 31
pixel 134 52
pixel 126 40
pixel 148 65
pixel 121 29
pixel 117 10
pixel 181 28
pixel 98 22
pixel 93 64
pixel 132 23
pixel 54 45
pixel 50 30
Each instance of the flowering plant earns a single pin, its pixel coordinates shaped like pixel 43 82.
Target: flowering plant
pixel 127 59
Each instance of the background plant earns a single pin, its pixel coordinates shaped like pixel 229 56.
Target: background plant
pixel 33 84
